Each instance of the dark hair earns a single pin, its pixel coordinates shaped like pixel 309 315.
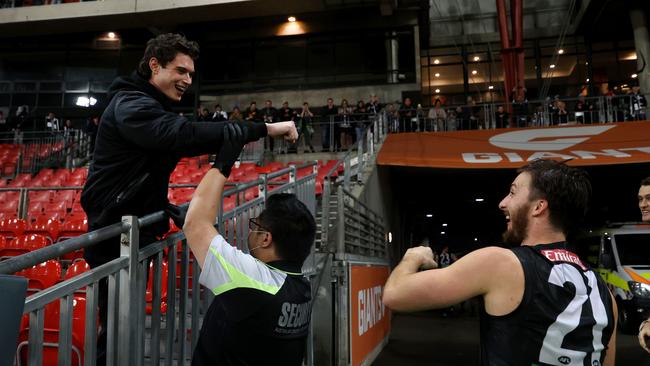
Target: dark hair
pixel 645 181
pixel 567 191
pixel 164 48
pixel 291 224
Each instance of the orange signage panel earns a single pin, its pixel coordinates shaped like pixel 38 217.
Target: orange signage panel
pixel 369 318
pixel 581 145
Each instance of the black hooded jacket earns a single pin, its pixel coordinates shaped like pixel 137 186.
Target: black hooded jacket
pixel 139 142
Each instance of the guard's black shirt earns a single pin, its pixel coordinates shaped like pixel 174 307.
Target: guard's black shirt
pixel 565 317
pixel 261 312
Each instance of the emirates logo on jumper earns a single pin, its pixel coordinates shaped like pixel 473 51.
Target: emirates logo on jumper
pixel 562 255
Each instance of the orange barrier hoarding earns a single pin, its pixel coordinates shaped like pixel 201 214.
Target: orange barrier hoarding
pixel 581 145
pixel 369 318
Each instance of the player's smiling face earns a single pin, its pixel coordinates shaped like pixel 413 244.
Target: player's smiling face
pixel 516 207
pixel 175 78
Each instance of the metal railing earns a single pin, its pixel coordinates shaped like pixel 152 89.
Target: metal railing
pixel 353 162
pixel 360 230
pixel 48 149
pixel 133 335
pixel 537 113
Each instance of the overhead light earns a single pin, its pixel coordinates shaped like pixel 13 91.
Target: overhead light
pixel 552 66
pixel 476 58
pixel 442 233
pixel 491 87
pixel 111 35
pixel 624 86
pixel 479 199
pixel 85 101
pixel 586 62
pixel 437 91
pixel 291 19
pixel 560 51
pixel 475 239
pixel 587 79
pixel 634 76
pixel 436 61
pixel 445 224
pixel 429 215
pixel 437 74
pixel 474 72
pixel 390 237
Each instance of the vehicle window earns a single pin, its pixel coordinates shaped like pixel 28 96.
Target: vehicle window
pixel 633 249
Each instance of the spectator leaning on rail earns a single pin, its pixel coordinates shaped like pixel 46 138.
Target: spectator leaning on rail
pixel 543 305
pixel 140 141
pixel 261 296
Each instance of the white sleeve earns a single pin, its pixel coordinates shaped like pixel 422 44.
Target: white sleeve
pixel 226 268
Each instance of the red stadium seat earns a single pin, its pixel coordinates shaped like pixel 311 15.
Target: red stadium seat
pixel 163 293
pixel 12 227
pixel 51 333
pixel 41 196
pixel 65 196
pixel 251 193
pixel 78 267
pixel 44 225
pixel 61 206
pixel 35 208
pixel 22 244
pixel 70 229
pixel 61 174
pixel 73 228
pixel 42 275
pixel 9 202
pixel 247 166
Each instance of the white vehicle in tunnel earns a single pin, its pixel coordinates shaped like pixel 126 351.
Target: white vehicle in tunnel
pixel 621 254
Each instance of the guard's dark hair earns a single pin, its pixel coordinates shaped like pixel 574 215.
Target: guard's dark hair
pixel 645 181
pixel 291 224
pixel 566 189
pixel 164 48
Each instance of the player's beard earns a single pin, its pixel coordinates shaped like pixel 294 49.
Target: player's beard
pixel 516 234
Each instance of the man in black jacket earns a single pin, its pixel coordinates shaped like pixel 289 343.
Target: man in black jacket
pixel 140 141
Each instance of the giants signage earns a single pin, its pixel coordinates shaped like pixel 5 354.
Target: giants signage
pixel 369 318
pixel 601 144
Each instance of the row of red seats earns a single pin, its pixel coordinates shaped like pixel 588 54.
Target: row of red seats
pixel 60 205
pixel 8 158
pixel 50 228
pixel 50 212
pixel 49 273
pixel 9 155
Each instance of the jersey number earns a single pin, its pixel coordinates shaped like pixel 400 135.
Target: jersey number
pixel 569 319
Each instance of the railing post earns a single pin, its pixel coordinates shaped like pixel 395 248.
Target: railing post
pixel 292 179
pixel 331 128
pixel 346 173
pixel 325 218
pixel 128 324
pixel 340 229
pixel 263 187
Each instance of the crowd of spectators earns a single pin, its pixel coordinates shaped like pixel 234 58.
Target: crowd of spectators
pixel 340 125
pixel 408 117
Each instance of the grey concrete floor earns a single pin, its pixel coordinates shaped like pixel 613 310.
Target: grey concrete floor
pixel 427 338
